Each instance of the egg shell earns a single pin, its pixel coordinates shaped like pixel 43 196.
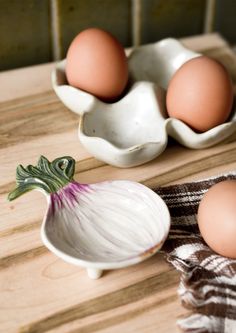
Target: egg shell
pixel 142 98
pixel 217 218
pixel 200 94
pixel 96 63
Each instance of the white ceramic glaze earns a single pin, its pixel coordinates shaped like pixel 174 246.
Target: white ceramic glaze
pixel 129 132
pixel 135 129
pixel 159 61
pixel 109 225
pixel 106 225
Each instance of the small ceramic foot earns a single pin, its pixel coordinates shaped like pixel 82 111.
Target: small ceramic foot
pixel 94 273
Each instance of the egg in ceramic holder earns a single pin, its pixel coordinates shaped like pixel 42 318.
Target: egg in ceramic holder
pixel 135 129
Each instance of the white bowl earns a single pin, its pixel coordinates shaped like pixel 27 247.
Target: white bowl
pixel 135 129
pixel 100 226
pixel 110 225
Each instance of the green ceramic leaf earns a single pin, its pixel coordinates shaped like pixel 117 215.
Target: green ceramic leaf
pixel 47 176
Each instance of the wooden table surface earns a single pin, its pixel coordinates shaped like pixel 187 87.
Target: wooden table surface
pixel 38 291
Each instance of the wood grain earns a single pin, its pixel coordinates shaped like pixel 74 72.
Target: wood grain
pixel 130 294
pixel 41 293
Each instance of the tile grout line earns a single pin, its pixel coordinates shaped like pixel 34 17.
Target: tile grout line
pixel 55 28
pixel 136 22
pixel 209 19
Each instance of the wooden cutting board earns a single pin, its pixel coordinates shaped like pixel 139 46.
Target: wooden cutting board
pixel 38 291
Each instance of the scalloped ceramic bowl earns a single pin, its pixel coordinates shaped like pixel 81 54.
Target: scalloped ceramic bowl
pixel 135 129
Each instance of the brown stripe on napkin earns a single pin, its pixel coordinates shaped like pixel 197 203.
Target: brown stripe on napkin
pixel 208 280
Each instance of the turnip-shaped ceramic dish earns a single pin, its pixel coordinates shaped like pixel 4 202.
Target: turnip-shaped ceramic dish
pixel 135 129
pixel 101 226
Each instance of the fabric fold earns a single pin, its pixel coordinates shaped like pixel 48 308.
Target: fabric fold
pixel 208 281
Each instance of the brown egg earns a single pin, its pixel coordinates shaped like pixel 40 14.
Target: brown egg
pixel 96 62
pixel 217 218
pixel 200 94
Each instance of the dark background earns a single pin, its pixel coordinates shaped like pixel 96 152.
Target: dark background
pixel 38 31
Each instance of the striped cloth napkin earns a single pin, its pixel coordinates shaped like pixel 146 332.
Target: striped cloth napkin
pixel 208 280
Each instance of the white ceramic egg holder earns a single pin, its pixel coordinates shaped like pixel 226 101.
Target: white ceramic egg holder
pixel 135 129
